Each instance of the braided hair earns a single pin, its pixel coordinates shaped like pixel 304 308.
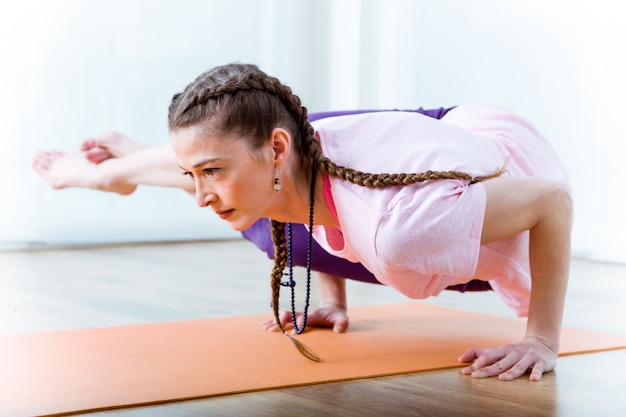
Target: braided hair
pixel 241 99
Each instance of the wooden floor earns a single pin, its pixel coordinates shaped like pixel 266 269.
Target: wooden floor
pixel 70 288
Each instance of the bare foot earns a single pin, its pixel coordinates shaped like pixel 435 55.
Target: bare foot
pixel 63 170
pixel 109 145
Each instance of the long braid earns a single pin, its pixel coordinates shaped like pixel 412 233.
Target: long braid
pixel 280 256
pixel 390 180
pixel 280 260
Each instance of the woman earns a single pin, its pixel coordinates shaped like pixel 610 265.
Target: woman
pixel 112 162
pixel 449 212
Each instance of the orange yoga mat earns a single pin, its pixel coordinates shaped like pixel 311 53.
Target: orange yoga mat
pixel 64 372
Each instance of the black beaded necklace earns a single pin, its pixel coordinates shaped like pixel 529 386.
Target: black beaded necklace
pixel 291 283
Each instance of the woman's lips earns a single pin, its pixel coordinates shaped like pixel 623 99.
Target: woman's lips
pixel 225 214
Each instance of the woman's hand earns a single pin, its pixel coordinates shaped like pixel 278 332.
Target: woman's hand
pixel 511 361
pixel 328 315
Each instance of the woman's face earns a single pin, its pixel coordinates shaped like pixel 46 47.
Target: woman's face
pixel 230 177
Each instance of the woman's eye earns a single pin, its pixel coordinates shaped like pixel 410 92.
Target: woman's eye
pixel 207 171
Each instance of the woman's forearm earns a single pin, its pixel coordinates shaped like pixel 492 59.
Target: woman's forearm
pixel 332 291
pixel 549 264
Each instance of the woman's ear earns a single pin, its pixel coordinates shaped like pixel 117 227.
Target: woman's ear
pixel 281 145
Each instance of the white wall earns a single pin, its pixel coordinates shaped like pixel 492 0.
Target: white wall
pixel 75 68
pixel 557 62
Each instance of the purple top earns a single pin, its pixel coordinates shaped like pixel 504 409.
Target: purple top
pixel 322 261
pixel 434 113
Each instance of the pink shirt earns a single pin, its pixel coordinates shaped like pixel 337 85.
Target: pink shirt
pixel 422 238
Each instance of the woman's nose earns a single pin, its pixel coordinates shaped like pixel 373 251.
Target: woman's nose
pixel 204 196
